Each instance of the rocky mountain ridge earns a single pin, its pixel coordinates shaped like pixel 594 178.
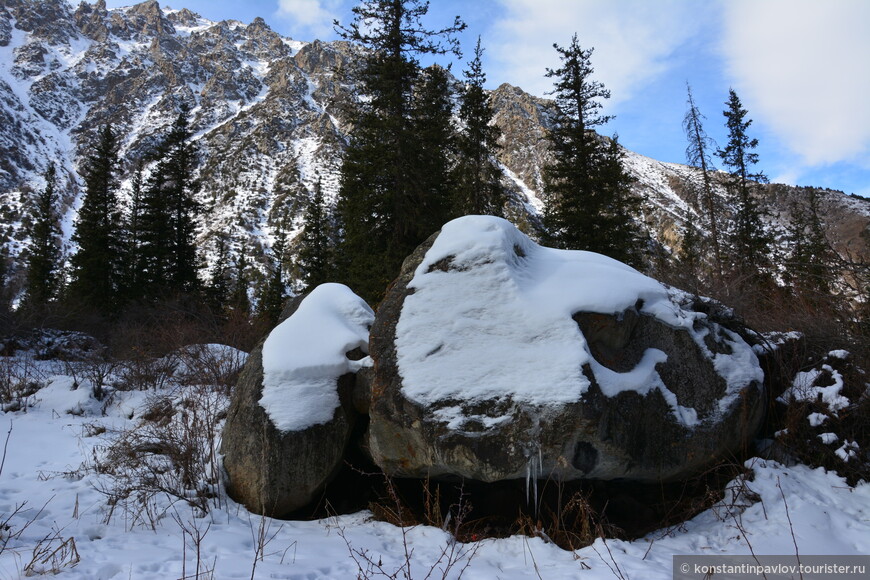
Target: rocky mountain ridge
pixel 271 117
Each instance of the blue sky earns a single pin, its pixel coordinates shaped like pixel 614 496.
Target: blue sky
pixel 800 67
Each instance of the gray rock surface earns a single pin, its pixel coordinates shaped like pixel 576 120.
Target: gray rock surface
pixel 273 471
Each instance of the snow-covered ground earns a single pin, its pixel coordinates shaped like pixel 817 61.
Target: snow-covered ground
pixel 57 517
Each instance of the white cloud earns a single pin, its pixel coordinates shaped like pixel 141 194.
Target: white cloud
pixel 633 39
pixel 314 17
pixel 801 68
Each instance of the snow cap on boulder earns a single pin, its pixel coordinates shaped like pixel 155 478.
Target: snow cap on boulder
pixel 304 356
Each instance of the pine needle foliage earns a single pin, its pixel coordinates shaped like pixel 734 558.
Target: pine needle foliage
pixel 698 154
pixel 43 257
pixel 749 243
pixel 811 260
pixel 315 257
pixel 478 185
pixel 589 203
pixel 97 266
pixel 168 257
pixel 386 205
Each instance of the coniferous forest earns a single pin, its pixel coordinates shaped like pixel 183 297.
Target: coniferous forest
pixel 423 149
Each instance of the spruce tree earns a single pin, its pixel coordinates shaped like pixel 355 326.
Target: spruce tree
pixel 43 258
pixel 315 256
pixel 218 290
pixel 239 302
pixel 271 301
pixel 749 242
pixel 698 155
pixel 168 249
pixel 570 186
pixel 809 267
pixel 589 203
pixel 478 188
pixel 155 239
pixel 4 284
pixel 623 239
pixel 434 147
pixel 690 257
pixel 96 276
pixel 384 211
pixel 134 262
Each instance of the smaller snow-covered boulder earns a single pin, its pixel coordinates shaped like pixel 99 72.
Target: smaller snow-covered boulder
pixel 292 411
pixel 496 358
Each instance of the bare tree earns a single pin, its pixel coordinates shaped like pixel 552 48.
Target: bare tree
pixel 698 155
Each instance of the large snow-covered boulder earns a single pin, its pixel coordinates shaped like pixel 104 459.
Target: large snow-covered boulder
pixel 496 358
pixel 292 412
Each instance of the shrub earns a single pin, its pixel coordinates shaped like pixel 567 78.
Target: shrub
pixel 169 455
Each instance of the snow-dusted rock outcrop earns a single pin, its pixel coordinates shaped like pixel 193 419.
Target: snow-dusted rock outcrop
pixel 292 411
pixel 496 358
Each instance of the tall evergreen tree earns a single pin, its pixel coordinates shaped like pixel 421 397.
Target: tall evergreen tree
pixel 168 250
pixel 478 189
pixel 749 242
pixel 97 268
pixel 621 207
pixel 218 290
pixel 155 239
pixel 571 190
pixel 274 293
pixel 810 260
pixel 4 284
pixel 690 256
pixel 383 208
pixel 43 259
pixel 434 147
pixel 134 262
pixel 315 255
pixel 589 203
pixel 240 303
pixel 698 155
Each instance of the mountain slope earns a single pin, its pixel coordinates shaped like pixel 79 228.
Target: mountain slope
pixel 271 117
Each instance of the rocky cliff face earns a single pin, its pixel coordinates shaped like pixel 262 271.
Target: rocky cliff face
pixel 270 116
pixel 267 110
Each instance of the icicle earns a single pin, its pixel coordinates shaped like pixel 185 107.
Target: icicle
pixel 536 497
pixel 534 468
pixel 538 471
pixel 528 476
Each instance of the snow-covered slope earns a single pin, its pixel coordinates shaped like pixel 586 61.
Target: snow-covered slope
pixel 264 108
pixel 269 115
